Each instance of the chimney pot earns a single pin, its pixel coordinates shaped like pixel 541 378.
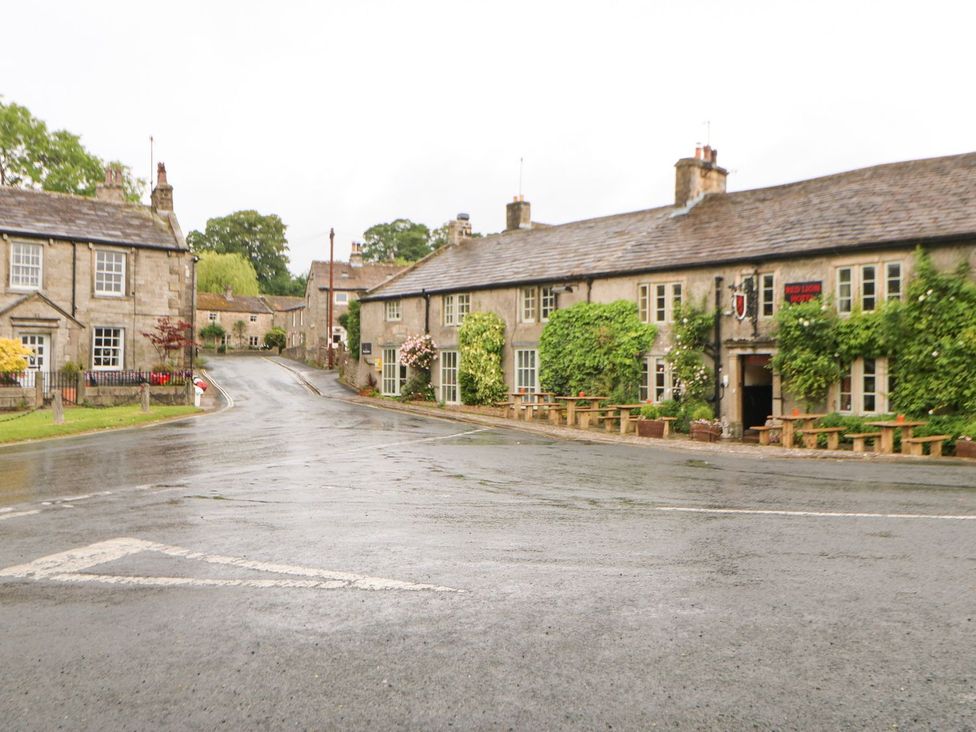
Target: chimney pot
pixel 162 194
pixel 111 189
pixel 518 215
pixel 228 293
pixel 698 176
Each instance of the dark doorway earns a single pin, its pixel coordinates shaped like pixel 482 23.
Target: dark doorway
pixel 757 389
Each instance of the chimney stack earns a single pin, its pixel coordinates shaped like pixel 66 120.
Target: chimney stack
pixel 162 195
pixel 111 189
pixel 458 229
pixel 356 255
pixel 698 176
pixel 518 215
pixel 228 293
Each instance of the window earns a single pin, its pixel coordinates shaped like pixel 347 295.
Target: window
pixel 869 394
pixel 450 314
pixel 463 307
pixel 341 298
pixel 656 302
pixel 392 309
pixel 25 266
pixel 767 294
pixel 656 385
pixel 252 341
pixel 893 280
pixel 525 371
pixel 527 304
pixel 212 317
pixel 844 294
pixel 455 308
pixel 107 346
pixel 864 387
pixel 109 273
pixel 868 286
pixel 547 303
pixel 394 372
pixel 846 392
pixel 254 318
pixel 449 382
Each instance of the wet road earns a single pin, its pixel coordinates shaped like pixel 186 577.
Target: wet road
pixel 293 561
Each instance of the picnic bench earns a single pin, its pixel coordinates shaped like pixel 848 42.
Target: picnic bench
pixel 584 415
pixel 810 435
pixel 766 432
pixel 860 440
pixel 914 445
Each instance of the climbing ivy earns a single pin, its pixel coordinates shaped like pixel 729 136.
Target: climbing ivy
pixel 808 355
pixel 595 348
pixel 481 340
pixel 690 336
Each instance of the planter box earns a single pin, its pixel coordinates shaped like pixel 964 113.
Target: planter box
pixel 650 428
pixel 705 434
pixel 966 448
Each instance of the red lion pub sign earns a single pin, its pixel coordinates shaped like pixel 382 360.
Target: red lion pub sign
pixel 802 291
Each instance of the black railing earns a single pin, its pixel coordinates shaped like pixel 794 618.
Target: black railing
pixel 134 378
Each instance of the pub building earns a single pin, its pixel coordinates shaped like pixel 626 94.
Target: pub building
pixel 848 238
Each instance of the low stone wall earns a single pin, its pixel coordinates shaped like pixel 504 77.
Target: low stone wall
pixel 112 396
pixel 15 397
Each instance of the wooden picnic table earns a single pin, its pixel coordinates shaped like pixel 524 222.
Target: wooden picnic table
pixel 571 405
pixel 625 415
pixel 888 430
pixel 792 422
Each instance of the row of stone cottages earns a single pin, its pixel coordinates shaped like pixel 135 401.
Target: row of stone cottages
pixel 849 237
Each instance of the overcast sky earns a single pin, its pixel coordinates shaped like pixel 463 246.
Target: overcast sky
pixel 346 114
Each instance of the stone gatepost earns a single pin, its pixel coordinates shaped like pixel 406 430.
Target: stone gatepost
pixel 144 396
pixel 38 389
pixel 58 407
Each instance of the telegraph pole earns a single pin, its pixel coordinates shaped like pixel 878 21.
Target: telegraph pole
pixel 331 294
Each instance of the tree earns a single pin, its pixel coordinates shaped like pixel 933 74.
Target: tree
pixel 401 239
pixel 212 332
pixel 258 238
pixel 350 321
pixel 169 336
pixel 13 355
pixel 481 341
pixel 217 272
pixel 276 338
pixel 287 284
pixel 239 328
pixel 33 157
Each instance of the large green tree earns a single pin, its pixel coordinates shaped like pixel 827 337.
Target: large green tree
pixel 217 272
pixel 31 156
pixel 401 240
pixel 259 238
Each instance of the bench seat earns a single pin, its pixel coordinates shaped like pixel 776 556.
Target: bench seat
pixel 915 444
pixel 810 435
pixel 860 440
pixel 766 432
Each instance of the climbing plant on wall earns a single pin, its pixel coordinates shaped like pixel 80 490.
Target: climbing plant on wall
pixel 595 348
pixel 690 339
pixel 481 340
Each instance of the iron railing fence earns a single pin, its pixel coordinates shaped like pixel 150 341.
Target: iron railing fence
pixel 134 378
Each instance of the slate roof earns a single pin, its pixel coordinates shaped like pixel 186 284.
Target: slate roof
pixel 64 216
pixel 906 202
pixel 281 303
pixel 239 304
pixel 347 277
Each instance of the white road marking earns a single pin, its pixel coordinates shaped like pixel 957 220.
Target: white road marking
pixel 68 566
pixel 824 514
pixel 18 514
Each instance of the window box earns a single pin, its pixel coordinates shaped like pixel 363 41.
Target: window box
pixel 705 433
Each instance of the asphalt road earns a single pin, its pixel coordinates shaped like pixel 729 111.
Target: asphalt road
pixel 301 561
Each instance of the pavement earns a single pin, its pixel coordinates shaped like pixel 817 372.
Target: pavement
pixel 304 560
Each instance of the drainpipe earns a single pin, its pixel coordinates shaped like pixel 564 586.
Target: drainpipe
pixel 193 309
pixel 717 345
pixel 74 279
pixel 589 288
pixel 426 311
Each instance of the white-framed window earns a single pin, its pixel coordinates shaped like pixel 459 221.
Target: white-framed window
pixel 463 306
pixel 527 302
pixel 254 318
pixel 656 384
pixel 456 308
pixel 845 292
pixel 656 301
pixel 253 341
pixel 37 345
pixel 450 313
pixel 394 372
pixel 341 298
pixel 864 387
pixel 108 347
pixel 109 273
pixel 392 309
pixel 449 377
pixel 212 317
pixel 767 294
pixel 869 287
pixel 548 303
pixel 893 280
pixel 526 370
pixel 26 266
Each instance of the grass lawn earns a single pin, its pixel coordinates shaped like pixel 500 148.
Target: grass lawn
pixel 82 419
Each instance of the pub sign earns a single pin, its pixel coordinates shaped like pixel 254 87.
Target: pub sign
pixel 366 349
pixel 802 291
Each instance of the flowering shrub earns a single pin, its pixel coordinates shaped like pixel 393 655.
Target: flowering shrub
pixel 689 340
pixel 418 352
pixel 481 339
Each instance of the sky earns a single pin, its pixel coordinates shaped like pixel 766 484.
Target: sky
pixel 347 114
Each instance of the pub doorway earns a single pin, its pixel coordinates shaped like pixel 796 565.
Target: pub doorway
pixel 756 387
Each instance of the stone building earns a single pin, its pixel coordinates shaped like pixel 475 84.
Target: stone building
pixel 289 315
pixel 849 237
pixel 82 278
pixel 229 309
pixel 350 281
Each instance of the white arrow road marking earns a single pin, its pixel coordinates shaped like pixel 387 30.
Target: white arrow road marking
pixel 68 567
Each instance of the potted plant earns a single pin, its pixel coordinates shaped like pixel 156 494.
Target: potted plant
pixel 966 445
pixel 69 389
pixel 649 424
pixel 704 427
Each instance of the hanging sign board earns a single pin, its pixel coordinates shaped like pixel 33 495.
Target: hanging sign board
pixel 366 349
pixel 802 291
